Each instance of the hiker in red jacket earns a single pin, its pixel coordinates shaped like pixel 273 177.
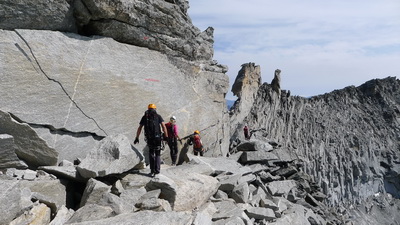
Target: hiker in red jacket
pixel 197 144
pixel 246 132
pixel 173 137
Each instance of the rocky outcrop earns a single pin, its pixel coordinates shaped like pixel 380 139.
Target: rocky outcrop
pixel 37 15
pixel 347 140
pixel 159 25
pixel 245 88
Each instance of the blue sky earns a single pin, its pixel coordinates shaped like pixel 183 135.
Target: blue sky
pixel 319 45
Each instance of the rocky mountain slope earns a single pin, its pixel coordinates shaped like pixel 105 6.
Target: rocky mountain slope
pixel 348 140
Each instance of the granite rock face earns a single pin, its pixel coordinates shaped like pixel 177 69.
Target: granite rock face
pixel 75 90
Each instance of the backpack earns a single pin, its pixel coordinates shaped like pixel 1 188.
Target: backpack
pixel 152 129
pixel 197 142
pixel 170 130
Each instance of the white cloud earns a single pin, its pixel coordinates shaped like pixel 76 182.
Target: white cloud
pixel 319 45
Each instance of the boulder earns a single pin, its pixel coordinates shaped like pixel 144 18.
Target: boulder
pixel 94 192
pixel 204 214
pixel 91 213
pixel 258 157
pixel 228 209
pixel 260 213
pixel 8 156
pixel 191 189
pixel 62 216
pixel 167 186
pixel 254 145
pixel 13 200
pixel 150 201
pixel 50 192
pixel 281 188
pixel 29 147
pixel 114 155
pixel 39 214
pixel 240 193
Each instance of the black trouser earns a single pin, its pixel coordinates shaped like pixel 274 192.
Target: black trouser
pixel 173 147
pixel 197 151
pixel 155 159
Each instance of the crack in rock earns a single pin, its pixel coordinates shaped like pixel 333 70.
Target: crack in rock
pixel 51 79
pixel 59 131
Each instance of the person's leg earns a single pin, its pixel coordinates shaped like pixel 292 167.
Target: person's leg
pixel 157 159
pixel 171 150
pixel 195 152
pixel 152 158
pixel 201 153
pixel 174 152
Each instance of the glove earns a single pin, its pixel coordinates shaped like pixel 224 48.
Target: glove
pixel 136 141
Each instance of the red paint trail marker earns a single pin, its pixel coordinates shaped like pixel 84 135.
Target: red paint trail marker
pixel 152 80
pixel 145 38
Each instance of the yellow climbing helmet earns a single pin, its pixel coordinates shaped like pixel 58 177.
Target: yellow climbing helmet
pixel 152 106
pixel 197 132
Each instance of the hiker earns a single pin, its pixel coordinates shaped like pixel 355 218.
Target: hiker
pixel 151 121
pixel 196 142
pixel 246 132
pixel 173 137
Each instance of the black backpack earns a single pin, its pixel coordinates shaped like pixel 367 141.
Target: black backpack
pixel 152 129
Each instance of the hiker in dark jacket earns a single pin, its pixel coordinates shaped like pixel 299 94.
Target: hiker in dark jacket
pixel 195 140
pixel 173 138
pixel 152 123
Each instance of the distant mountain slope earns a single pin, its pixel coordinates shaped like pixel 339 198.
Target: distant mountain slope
pixel 347 139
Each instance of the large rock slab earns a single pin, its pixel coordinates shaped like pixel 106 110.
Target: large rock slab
pixel 75 90
pixel 28 145
pixel 186 188
pixel 114 155
pixel 8 156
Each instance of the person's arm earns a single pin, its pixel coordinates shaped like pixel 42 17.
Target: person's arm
pixel 139 130
pixel 164 129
